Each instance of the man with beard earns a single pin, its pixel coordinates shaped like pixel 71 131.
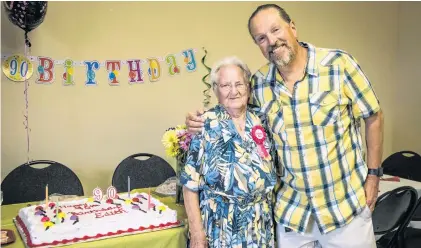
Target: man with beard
pixel 313 99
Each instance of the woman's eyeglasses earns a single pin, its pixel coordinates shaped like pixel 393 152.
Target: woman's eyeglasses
pixel 228 87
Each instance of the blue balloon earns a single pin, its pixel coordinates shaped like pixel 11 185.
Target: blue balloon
pixel 91 75
pixel 40 69
pixel 112 76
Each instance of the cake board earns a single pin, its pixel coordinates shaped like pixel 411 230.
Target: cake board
pixel 25 239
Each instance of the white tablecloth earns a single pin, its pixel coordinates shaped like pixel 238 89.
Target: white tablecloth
pixel 390 185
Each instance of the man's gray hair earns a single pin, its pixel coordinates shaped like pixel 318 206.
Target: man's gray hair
pixel 214 75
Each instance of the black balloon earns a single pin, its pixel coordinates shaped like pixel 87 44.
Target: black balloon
pixel 27 15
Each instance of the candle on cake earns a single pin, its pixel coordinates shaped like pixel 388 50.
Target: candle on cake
pixel 97 193
pixel 128 185
pixel 57 218
pixel 46 195
pixel 149 198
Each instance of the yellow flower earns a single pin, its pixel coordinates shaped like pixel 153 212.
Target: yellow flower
pixel 169 139
pixel 172 151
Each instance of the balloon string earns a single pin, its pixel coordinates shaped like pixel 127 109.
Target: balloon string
pixel 26 115
pixel 206 92
pixel 27 42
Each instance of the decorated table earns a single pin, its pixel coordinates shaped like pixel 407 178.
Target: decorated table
pixel 389 184
pixel 173 237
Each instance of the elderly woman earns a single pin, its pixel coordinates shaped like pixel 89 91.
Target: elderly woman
pixel 229 175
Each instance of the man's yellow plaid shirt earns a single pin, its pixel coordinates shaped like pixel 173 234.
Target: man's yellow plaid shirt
pixel 317 133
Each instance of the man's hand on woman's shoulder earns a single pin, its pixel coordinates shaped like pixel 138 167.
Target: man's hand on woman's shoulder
pixel 194 121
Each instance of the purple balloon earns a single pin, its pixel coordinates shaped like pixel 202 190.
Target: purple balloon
pixel 73 217
pixel 135 207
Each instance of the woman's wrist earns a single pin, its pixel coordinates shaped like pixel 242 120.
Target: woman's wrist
pixel 195 229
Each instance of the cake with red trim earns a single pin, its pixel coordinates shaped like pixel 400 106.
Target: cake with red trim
pixel 88 220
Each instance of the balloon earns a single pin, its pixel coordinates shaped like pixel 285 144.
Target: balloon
pixel 132 74
pixel 27 15
pixel 112 76
pixel 40 69
pixel 91 75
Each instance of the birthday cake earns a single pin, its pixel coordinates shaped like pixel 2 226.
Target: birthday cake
pixel 68 222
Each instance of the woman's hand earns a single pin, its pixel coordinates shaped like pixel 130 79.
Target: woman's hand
pixel 198 239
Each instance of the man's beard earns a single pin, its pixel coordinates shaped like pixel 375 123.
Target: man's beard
pixel 281 61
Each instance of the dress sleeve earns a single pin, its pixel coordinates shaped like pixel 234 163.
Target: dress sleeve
pixel 191 172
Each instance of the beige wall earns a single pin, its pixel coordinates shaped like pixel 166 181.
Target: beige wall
pixel 407 87
pixel 91 129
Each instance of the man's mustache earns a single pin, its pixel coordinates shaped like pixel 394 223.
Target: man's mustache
pixel 277 44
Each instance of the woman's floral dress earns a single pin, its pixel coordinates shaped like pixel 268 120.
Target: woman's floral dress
pixel 234 182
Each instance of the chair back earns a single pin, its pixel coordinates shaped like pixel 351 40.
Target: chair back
pixel 150 172
pixel 417 213
pixel 26 183
pixel 409 237
pixel 404 164
pixel 392 210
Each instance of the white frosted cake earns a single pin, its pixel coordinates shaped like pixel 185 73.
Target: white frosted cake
pixel 87 220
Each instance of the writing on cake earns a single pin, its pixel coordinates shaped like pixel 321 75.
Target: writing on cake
pixel 100 212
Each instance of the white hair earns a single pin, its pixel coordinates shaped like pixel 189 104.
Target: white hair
pixel 214 74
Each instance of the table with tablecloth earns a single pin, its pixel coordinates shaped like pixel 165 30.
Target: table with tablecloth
pixel 391 185
pixel 173 237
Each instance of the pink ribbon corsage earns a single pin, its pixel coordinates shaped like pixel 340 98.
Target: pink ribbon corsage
pixel 259 135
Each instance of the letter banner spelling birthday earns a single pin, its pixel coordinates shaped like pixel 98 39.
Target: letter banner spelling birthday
pixel 20 68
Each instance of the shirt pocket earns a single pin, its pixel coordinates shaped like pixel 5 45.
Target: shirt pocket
pixel 324 108
pixel 275 117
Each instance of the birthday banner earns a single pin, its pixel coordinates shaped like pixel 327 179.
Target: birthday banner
pixel 20 68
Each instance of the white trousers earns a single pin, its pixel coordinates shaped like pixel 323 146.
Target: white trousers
pixel 358 233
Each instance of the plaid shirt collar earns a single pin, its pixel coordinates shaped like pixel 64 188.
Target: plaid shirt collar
pixel 311 67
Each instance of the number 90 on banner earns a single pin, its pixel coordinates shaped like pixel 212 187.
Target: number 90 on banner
pixel 17 68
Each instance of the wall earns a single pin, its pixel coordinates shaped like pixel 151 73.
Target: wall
pixel 407 87
pixel 91 129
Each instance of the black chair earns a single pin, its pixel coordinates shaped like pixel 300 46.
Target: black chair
pixel 391 213
pixel 143 173
pixel 26 183
pixel 411 237
pixel 404 164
